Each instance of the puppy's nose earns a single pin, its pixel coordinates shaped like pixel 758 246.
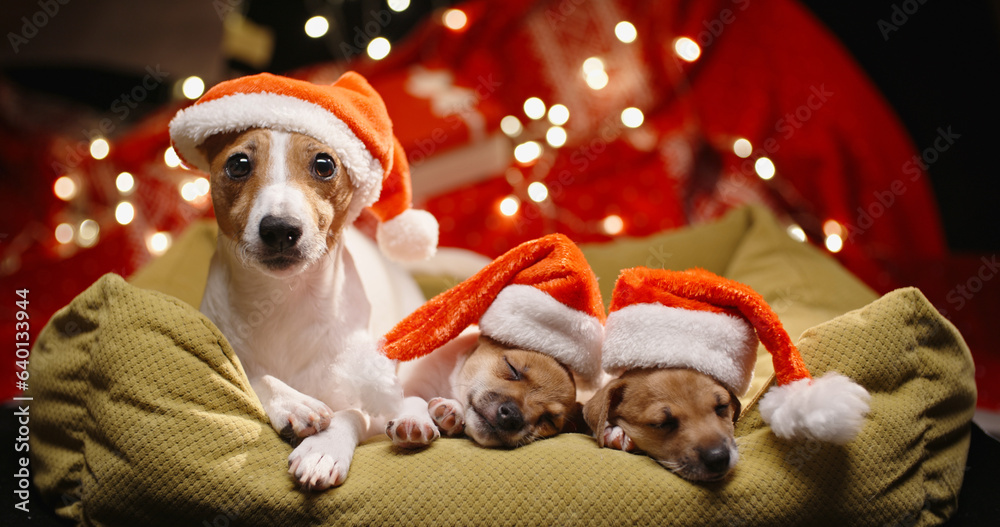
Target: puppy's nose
pixel 509 417
pixel 279 233
pixel 716 459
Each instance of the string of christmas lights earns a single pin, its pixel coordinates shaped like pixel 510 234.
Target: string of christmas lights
pixel 527 134
pixel 540 131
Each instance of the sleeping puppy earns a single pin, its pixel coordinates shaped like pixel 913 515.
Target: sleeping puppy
pixel 681 418
pixel 499 356
pixel 498 395
pixel 687 342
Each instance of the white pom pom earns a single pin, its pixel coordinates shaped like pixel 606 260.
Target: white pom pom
pixel 831 408
pixel 411 236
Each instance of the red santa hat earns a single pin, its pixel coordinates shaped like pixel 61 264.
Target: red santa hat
pixel 699 320
pixel 541 296
pixel 349 116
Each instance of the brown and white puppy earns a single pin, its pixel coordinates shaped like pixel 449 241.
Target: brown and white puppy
pixel 681 418
pixel 497 395
pixel 300 294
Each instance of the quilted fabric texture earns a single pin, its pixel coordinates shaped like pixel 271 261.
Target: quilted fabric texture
pixel 143 416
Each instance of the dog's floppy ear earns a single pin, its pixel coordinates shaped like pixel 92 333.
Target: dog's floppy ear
pixel 600 408
pixel 737 406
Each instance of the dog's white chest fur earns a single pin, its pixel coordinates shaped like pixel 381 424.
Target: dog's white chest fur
pixel 315 330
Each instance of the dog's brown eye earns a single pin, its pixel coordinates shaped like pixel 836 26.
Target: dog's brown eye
pixel 324 167
pixel 722 410
pixel 238 166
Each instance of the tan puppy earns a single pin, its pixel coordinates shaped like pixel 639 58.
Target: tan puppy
pixel 681 418
pixel 498 395
pixel 539 311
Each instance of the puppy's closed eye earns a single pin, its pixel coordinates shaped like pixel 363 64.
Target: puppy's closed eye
pixel 668 423
pixel 725 404
pixel 547 419
pixel 549 425
pixel 515 374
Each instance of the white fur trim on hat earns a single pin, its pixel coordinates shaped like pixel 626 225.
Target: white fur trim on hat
pixel 830 408
pixel 527 317
pixel 656 336
pixel 410 236
pixel 242 111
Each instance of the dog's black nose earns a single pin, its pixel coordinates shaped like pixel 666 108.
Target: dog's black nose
pixel 716 459
pixel 279 233
pixel 509 417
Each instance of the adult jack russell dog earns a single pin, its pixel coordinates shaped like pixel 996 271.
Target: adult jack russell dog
pixel 299 295
pixel 297 291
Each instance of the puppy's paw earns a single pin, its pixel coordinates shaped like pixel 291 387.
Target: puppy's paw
pixel 316 466
pixel 295 417
pixel 447 415
pixel 411 432
pixel 614 437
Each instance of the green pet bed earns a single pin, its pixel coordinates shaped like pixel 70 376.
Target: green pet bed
pixel 142 414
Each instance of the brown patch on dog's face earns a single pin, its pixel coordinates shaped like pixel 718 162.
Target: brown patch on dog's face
pixel 232 198
pixel 514 396
pixel 681 418
pixel 282 197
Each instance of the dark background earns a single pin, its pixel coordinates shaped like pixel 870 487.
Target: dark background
pixel 939 69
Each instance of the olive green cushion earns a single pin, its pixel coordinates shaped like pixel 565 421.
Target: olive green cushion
pixel 142 415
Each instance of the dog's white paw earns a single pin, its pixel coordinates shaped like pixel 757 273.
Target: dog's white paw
pixel 447 415
pixel 615 437
pixel 320 462
pixel 412 431
pixel 298 415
